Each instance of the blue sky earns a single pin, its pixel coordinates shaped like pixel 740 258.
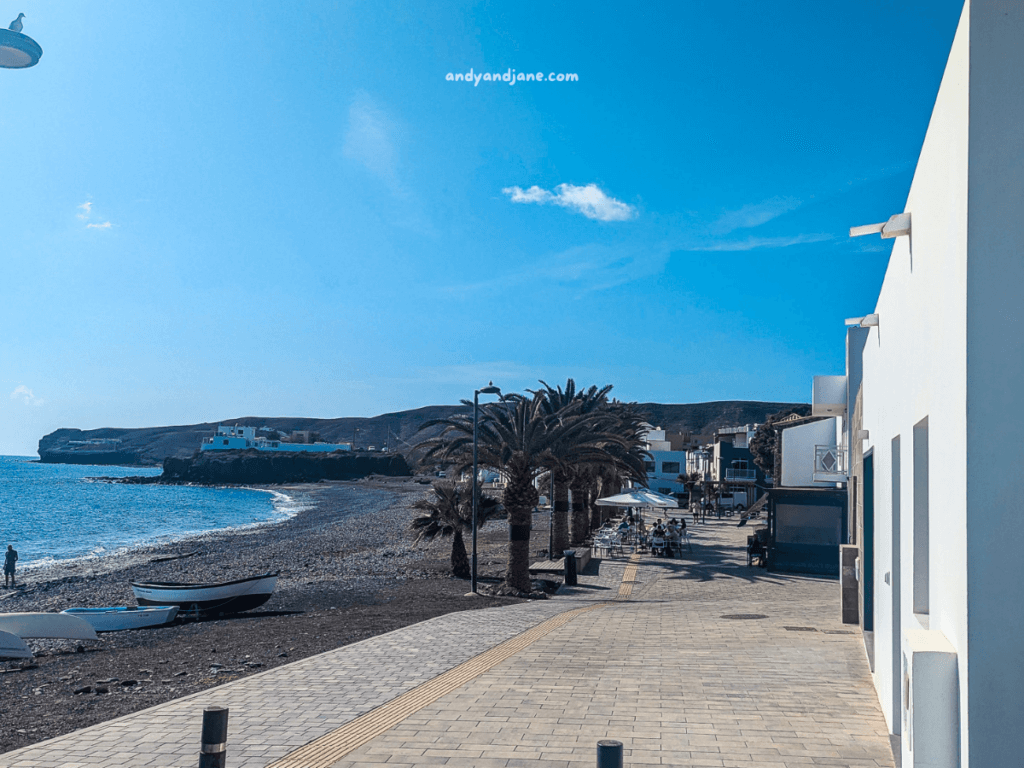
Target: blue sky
pixel 212 210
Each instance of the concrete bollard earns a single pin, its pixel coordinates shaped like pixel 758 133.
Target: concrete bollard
pixel 570 567
pixel 214 750
pixel 609 754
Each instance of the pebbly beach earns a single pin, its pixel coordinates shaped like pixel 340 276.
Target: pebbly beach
pixel 348 571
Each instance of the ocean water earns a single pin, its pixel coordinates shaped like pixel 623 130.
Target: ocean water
pixel 55 512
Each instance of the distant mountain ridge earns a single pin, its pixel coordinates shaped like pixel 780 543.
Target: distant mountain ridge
pixel 149 446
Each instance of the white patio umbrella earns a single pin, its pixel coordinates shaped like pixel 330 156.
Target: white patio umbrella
pixel 638 497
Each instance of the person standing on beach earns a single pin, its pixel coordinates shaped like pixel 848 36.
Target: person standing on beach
pixel 10 558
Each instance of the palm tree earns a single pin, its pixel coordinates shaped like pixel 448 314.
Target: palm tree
pixel 615 448
pixel 518 437
pixel 574 465
pixel 450 513
pixel 629 453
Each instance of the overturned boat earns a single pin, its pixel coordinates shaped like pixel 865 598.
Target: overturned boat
pixel 208 599
pixel 13 647
pixel 125 617
pixel 53 626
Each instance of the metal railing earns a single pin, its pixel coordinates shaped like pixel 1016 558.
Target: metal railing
pixel 830 463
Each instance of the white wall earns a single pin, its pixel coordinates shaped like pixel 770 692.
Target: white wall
pixel 915 368
pixel 798 444
pixel 995 382
pixel 949 348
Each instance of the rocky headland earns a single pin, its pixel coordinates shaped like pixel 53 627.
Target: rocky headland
pixel 253 467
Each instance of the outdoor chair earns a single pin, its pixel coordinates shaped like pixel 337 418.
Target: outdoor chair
pixel 756 549
pixel 610 541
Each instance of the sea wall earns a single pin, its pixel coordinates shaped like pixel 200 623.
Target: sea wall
pixel 258 467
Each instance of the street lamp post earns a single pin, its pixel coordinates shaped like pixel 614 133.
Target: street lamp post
pixel 551 515
pixel 490 389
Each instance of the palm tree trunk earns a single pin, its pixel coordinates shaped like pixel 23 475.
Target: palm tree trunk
pixel 560 523
pixel 520 499
pixel 460 560
pixel 580 522
pixel 595 510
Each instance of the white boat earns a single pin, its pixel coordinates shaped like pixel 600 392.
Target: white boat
pixel 217 598
pixel 125 617
pixel 56 626
pixel 13 647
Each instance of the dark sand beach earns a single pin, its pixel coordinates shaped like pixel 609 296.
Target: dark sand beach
pixel 348 572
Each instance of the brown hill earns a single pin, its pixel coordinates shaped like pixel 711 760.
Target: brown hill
pixel 395 431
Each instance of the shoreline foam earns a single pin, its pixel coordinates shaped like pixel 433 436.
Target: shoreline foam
pixel 285 507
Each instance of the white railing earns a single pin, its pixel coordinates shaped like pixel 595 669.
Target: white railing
pixel 740 474
pixel 830 464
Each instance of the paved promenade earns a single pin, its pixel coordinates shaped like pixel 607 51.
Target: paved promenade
pixel 663 655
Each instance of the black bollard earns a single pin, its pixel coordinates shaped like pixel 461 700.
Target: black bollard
pixel 609 754
pixel 214 750
pixel 570 567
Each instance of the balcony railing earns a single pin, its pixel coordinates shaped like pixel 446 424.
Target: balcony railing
pixel 830 464
pixel 740 475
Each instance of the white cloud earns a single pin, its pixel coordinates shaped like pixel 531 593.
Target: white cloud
pixel 23 393
pixel 588 200
pixel 86 214
pixel 754 215
pixel 752 243
pixel 370 141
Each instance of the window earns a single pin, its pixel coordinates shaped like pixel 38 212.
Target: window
pixel 225 442
pixel 649 466
pixel 921 539
pixel 670 467
pixel 666 491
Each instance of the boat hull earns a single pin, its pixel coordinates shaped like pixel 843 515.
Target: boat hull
pixel 54 626
pixel 119 618
pixel 228 597
pixel 13 647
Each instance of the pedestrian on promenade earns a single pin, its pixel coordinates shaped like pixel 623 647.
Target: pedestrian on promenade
pixel 10 558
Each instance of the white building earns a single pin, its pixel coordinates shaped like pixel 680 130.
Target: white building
pixel 935 376
pixel 238 438
pixel 814 454
pixel 667 462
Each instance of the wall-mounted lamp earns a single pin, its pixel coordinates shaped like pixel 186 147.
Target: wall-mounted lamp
pixel 868 321
pixel 896 226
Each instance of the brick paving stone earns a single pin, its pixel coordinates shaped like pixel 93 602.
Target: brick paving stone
pixel 661 670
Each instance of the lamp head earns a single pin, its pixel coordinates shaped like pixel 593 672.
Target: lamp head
pixel 490 389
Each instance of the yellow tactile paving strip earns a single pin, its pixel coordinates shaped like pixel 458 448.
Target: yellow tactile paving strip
pixel 332 747
pixel 628 578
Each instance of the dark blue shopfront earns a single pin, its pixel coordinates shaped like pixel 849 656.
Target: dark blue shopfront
pixel 805 528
